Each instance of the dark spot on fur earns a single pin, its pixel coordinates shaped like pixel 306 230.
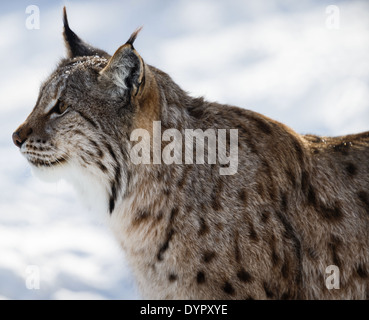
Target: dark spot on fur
pixel 265 216
pixel 219 226
pixel 267 172
pixel 181 183
pixel 172 277
pixel 189 207
pixel 268 292
pixel 85 160
pixel 335 257
pixel 111 204
pixel 227 288
pixel 285 270
pixel 284 202
pixel 165 245
pixel 89 153
pixel 113 197
pixel 166 190
pixel 239 145
pixel 243 196
pixel 305 182
pixel 271 189
pixel 173 214
pixel 111 152
pixel 100 154
pixel 351 169
pixel 364 198
pixel 203 207
pixel 237 252
pixel 200 277
pixel 275 257
pixel 331 213
pixel 245 136
pixel 217 200
pixel 312 253
pixel 94 143
pixel 260 190
pixel 203 227
pixel 334 245
pixel 312 200
pixel 291 177
pixel 102 167
pixel 115 185
pixel 362 272
pixel 290 234
pixel 244 276
pixel 252 232
pixel 208 256
pixel 286 296
pixel 141 216
pixel 298 149
pixel 160 215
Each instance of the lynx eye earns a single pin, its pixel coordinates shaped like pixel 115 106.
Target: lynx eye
pixel 59 108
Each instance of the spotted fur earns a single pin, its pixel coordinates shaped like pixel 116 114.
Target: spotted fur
pixel 297 204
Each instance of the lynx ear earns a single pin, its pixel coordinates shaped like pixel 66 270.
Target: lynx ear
pixel 126 69
pixel 77 47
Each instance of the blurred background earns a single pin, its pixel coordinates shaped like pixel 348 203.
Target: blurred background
pixel 303 63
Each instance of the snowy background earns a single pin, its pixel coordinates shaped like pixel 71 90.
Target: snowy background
pixel 279 58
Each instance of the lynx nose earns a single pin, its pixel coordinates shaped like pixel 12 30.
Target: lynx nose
pixel 20 136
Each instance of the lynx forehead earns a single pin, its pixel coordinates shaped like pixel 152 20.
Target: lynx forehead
pixel 297 206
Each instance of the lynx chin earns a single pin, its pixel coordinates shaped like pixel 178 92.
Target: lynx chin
pixel 296 205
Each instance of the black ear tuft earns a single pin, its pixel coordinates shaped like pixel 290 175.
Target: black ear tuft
pixel 133 36
pixel 65 20
pixel 77 47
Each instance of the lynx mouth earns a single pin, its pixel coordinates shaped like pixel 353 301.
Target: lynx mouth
pixel 47 163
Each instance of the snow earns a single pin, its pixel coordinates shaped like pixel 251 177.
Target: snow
pixel 277 58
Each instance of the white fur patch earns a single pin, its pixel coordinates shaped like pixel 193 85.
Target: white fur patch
pixel 91 191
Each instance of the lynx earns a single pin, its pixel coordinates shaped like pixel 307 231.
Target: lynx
pixel 297 204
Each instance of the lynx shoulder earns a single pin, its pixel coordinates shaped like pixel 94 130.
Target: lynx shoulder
pixel 292 205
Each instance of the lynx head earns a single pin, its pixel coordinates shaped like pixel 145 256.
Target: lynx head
pixel 80 125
